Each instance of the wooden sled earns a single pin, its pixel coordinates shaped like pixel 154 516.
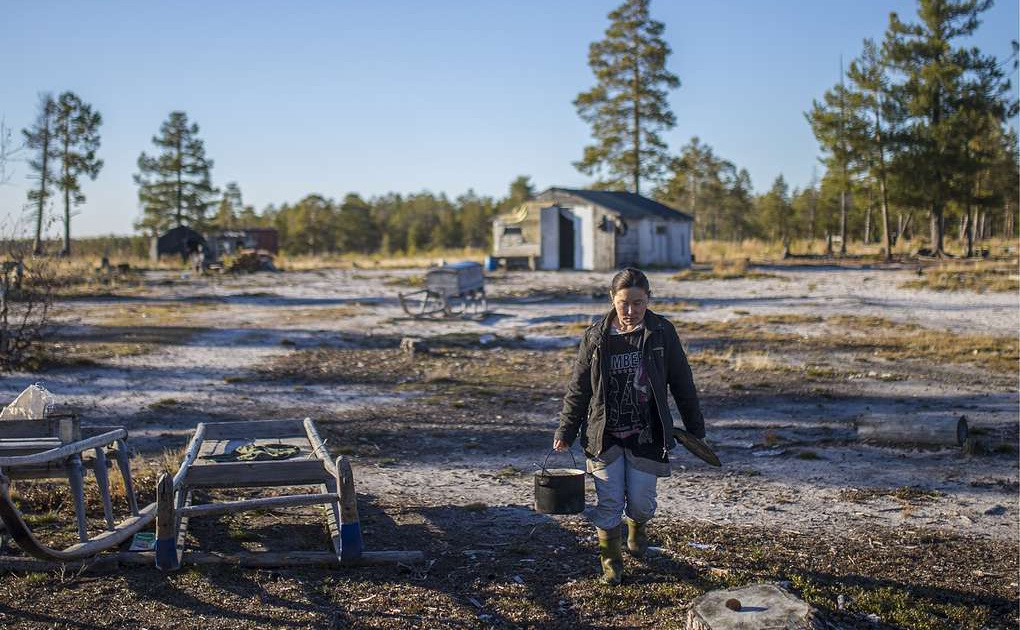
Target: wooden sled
pixel 204 467
pixel 53 447
pixel 453 290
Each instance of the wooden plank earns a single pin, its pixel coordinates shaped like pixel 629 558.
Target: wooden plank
pixel 189 455
pixel 167 557
pixel 23 444
pixel 351 543
pixel 74 475
pixel 182 522
pixel 103 480
pixel 333 517
pixel 291 472
pixel 20 449
pixel 216 448
pixel 47 427
pixel 253 429
pixel 64 451
pixel 103 562
pixel 265 503
pixel 125 472
pixel 126 529
pixel 319 446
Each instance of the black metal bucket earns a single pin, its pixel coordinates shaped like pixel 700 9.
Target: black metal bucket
pixel 559 490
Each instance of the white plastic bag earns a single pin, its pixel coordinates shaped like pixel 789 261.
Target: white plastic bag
pixel 32 404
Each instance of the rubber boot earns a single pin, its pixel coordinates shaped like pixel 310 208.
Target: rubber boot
pixel 611 555
pixel 637 538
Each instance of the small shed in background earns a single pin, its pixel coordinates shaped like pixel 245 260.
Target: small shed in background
pixel 179 241
pixel 566 228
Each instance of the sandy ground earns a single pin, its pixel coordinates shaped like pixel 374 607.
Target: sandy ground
pixel 245 322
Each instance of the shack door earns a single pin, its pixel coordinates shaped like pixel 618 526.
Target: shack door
pixel 661 244
pixel 566 240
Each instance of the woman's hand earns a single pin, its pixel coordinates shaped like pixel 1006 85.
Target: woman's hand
pixel 560 445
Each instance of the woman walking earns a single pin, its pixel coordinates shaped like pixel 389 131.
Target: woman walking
pixel 617 402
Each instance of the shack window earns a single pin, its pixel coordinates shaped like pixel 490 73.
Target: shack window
pixel 660 229
pixel 512 230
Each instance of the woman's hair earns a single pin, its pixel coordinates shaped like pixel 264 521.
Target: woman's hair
pixel 630 278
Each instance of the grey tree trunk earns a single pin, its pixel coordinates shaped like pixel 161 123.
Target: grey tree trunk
pixel 66 250
pixel 43 183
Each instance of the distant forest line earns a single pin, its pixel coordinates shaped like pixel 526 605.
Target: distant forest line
pixel 914 139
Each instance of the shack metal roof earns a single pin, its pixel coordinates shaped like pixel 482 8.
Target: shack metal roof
pixel 629 205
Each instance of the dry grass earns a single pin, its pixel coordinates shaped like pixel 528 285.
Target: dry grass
pixel 979 277
pixel 415 281
pixel 756 362
pixel 867 335
pixel 378 260
pixel 891 340
pixel 317 314
pixel 758 250
pixel 723 270
pixel 177 313
pixel 791 319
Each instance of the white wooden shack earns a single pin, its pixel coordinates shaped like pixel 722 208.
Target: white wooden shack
pixel 565 228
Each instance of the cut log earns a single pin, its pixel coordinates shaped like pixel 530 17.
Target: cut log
pixel 916 430
pixel 761 606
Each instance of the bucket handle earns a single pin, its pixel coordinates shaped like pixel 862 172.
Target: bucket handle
pixel 546 460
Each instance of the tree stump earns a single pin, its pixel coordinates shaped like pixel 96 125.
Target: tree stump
pixel 920 430
pixel 761 607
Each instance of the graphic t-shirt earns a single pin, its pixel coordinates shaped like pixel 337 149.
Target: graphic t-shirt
pixel 628 420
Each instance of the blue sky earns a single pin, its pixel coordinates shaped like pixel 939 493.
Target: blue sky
pixel 333 97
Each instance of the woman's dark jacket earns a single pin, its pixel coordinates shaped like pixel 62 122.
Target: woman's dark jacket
pixel 584 406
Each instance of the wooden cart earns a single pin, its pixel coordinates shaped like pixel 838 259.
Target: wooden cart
pixel 204 467
pixel 454 290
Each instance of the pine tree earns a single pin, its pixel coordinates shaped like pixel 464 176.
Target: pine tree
pixel 870 126
pixel 738 205
pixel 941 83
pixel 230 207
pixel 174 187
pixel 628 107
pixel 696 185
pixel 357 233
pixel 9 152
pixel 521 190
pixel 76 133
pixel 775 211
pixel 40 140
pixel 828 120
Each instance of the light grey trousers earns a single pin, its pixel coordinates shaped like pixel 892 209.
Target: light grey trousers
pixel 621 488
